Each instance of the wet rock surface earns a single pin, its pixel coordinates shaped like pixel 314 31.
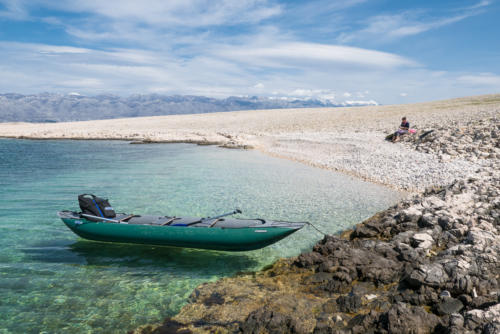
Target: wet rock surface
pixel 430 264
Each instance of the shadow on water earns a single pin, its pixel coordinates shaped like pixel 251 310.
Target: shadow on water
pixel 140 257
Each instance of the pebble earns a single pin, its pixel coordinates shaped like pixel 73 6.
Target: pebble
pixel 370 297
pixel 445 294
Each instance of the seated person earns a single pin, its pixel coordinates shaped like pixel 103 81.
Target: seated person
pixel 403 129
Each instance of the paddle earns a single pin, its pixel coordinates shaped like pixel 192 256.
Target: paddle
pixel 223 215
pixel 215 219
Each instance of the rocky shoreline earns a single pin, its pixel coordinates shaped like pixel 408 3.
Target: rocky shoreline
pixel 429 264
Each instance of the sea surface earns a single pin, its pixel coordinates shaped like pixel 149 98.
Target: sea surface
pixel 51 281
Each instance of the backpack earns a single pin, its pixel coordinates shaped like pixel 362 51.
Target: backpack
pixel 95 206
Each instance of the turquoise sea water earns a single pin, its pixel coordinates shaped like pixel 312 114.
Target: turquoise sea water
pixel 54 282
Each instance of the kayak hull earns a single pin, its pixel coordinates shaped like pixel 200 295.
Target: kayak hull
pixel 216 238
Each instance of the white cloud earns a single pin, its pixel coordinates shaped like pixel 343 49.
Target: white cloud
pixel 14 10
pixel 83 83
pixel 480 4
pixel 403 94
pixel 305 92
pixel 295 54
pixel 360 103
pixel 326 95
pixel 388 27
pixel 482 79
pixel 192 13
pixel 54 49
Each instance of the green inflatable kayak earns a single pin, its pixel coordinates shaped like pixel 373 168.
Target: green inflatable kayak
pixel 228 234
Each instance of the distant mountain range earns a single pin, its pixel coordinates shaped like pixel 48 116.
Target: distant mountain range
pixel 49 107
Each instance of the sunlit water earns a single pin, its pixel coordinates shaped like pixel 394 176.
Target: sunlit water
pixel 52 281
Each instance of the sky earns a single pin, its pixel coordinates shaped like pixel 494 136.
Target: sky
pixel 395 51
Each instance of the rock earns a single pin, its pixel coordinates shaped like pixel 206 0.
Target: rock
pixel 464 284
pixel 434 202
pixel 491 328
pixel 363 323
pixel 349 304
pixel 407 253
pixel 423 296
pixel 330 306
pixel 308 260
pixel 427 220
pixel 422 240
pixel 483 302
pixel 326 266
pixel 365 231
pixel 214 299
pixel 449 306
pixel 340 283
pixel 323 327
pixel 269 321
pixel 465 299
pixel 403 237
pixel 445 223
pixel 456 320
pixel 475 319
pixel 320 277
pixel 431 274
pixel 445 294
pixel 379 270
pixel 169 326
pixel 403 318
pixel 481 238
pixel 411 214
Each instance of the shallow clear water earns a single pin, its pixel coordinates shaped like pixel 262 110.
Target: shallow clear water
pixel 52 281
